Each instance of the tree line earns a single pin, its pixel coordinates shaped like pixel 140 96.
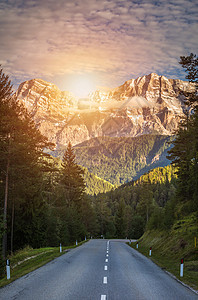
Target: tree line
pixel 129 209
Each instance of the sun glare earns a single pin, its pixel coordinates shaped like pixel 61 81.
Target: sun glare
pixel 82 85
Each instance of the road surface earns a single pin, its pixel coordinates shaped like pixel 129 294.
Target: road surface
pixel 98 270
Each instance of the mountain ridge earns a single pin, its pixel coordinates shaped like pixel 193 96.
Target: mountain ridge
pixel 150 104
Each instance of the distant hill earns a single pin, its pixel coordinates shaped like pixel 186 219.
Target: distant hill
pixel 94 184
pixel 120 160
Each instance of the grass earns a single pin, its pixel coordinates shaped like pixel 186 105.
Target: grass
pixel 169 247
pixel 28 259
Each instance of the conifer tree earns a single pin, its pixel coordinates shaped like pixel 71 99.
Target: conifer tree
pixel 184 153
pixel 5 99
pixel 72 178
pixel 73 193
pixel 120 219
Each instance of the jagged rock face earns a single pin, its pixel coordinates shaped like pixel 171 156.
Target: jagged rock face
pixel 51 110
pixel 148 104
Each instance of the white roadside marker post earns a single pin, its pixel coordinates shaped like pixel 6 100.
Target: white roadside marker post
pixel 85 238
pixel 137 245
pixel 60 248
pixel 182 268
pixel 76 243
pixel 8 268
pixel 150 251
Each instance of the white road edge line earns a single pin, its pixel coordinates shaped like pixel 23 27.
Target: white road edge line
pixel 105 280
pixel 103 297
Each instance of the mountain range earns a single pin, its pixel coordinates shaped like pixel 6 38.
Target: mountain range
pixel 150 106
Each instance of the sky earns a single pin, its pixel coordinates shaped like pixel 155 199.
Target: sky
pixel 83 45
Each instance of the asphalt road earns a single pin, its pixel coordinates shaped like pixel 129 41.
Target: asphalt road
pixel 98 270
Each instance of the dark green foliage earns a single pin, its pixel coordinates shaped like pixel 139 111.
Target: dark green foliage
pixel 72 178
pixel 156 219
pixel 120 220
pixel 5 86
pixel 134 205
pixel 190 64
pixel 96 185
pixel 184 153
pixel 169 214
pixel 137 227
pixel 71 205
pixel 23 164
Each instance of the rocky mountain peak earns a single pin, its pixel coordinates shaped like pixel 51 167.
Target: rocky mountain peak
pixel 43 98
pixel 147 104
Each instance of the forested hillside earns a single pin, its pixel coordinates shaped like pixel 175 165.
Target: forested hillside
pixel 93 184
pixel 96 185
pixel 127 210
pixel 119 160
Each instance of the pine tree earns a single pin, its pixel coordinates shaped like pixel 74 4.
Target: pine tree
pixel 120 219
pixel 73 192
pixel 184 153
pixel 72 178
pixel 5 134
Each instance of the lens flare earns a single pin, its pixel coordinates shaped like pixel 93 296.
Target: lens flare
pixel 82 85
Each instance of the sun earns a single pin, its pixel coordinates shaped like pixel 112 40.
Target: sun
pixel 82 85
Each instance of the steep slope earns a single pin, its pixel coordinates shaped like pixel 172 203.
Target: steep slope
pixel 146 105
pixel 169 246
pixel 93 184
pixel 52 111
pixel 119 160
pixel 96 185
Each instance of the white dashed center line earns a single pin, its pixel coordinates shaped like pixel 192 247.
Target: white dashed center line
pixel 104 297
pixel 105 280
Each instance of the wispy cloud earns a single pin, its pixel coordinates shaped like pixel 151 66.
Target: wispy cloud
pixel 114 40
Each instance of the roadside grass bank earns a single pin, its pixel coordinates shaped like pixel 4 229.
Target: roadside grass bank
pixel 28 259
pixel 169 247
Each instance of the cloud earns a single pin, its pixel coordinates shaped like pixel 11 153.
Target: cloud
pixel 85 104
pixel 115 40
